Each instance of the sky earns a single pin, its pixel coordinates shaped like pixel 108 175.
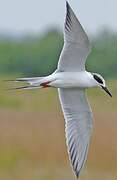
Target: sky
pixel 32 16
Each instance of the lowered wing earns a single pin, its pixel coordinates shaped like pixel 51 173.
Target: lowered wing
pixel 78 125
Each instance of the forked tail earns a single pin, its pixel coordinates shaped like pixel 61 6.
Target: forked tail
pixel 34 83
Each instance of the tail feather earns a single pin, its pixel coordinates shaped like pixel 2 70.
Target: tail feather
pixel 31 81
pixel 25 87
pixel 34 83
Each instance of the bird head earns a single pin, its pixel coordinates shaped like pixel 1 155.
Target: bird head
pixel 101 83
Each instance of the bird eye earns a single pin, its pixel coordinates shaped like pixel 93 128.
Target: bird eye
pixel 99 80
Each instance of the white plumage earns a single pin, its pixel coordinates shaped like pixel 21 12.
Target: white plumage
pixel 76 44
pixel 78 123
pixel 72 79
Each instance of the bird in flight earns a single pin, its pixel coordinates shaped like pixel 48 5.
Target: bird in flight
pixel 72 79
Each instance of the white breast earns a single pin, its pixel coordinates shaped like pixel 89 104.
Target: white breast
pixel 73 79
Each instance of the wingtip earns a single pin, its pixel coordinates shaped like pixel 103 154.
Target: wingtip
pixel 77 175
pixel 69 9
pixel 67 5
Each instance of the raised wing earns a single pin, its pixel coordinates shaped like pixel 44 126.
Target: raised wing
pixel 78 125
pixel 76 44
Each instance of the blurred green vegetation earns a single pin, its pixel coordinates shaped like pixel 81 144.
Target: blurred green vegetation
pixel 32 139
pixel 38 55
pixel 30 55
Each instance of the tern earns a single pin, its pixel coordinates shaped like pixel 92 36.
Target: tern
pixel 72 79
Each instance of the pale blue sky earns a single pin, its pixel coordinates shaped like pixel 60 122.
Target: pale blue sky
pixel 36 15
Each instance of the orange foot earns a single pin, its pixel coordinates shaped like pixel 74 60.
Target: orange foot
pixel 45 84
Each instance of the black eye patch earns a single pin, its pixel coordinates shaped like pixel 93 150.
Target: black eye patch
pixel 97 79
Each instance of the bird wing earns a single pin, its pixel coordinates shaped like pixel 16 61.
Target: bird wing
pixel 78 125
pixel 76 44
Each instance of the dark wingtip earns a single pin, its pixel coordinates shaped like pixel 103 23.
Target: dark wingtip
pixel 68 22
pixel 77 175
pixel 67 5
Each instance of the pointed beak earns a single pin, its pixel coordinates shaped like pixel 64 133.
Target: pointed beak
pixel 106 90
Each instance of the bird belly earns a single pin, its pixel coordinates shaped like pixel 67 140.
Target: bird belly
pixel 71 80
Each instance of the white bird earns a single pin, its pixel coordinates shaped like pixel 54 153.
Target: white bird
pixel 72 80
